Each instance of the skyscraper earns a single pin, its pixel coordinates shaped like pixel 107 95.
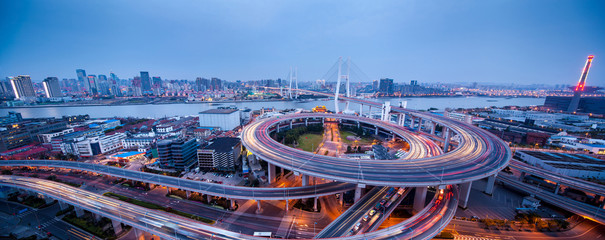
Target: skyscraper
pixel 216 84
pixel 145 81
pixel 82 80
pixel 22 87
pixel 386 86
pixel 93 86
pixel 52 89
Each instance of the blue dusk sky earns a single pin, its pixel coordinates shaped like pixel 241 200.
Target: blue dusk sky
pixel 500 41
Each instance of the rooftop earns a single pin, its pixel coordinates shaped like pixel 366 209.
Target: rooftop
pixel 219 111
pixel 223 144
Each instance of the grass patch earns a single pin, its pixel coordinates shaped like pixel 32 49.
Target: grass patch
pixel 364 139
pixel 309 141
pixel 91 227
pixel 158 207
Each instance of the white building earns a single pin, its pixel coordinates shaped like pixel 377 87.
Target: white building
pixel 100 144
pixel 137 143
pixel 46 138
pixel 224 118
pixel 459 116
pixel 573 165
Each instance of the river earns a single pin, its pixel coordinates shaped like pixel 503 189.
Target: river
pixel 183 109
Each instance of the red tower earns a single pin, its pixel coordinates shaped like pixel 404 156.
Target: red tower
pixel 575 101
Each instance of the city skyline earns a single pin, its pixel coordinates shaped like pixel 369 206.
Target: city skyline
pixel 449 43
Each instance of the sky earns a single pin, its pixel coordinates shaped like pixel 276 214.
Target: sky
pixel 499 41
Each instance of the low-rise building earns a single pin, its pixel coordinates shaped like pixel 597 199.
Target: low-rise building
pixel 177 154
pixel 222 154
pixel 224 118
pixel 573 165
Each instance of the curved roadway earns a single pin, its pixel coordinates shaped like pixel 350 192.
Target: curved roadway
pixel 478 155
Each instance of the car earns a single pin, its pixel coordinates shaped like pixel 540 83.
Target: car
pixel 365 218
pixel 372 212
pixel 357 226
pixel 383 201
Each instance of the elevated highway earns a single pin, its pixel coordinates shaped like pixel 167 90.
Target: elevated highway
pixel 213 189
pixel 558 178
pixel 585 210
pixel 479 155
pixel 427 223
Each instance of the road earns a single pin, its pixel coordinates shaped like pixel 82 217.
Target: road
pixel 214 189
pixel 480 155
pixel 585 210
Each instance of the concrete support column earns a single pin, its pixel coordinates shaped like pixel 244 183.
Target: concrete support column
pixel 277 127
pixel 489 188
pixel 117 226
pixel 79 211
pixel 167 190
pixel 232 202
pixel 283 173
pixel 291 123
pixel 63 205
pixel 323 120
pixel 557 188
pixel 97 217
pixel 208 198
pixel 446 139
pixel 315 204
pixel 138 234
pixel 465 191
pixel 341 200
pixel 258 207
pixel 358 190
pixel 433 126
pixel 47 199
pixel 522 176
pixel 271 170
pixel 306 122
pixel 419 199
pixel 358 124
pixel 287 205
pixel 187 194
pixel 360 109
pixel 376 131
pixel 305 180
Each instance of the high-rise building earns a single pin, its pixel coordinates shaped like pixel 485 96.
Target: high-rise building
pixel 216 84
pixel 136 87
pixel 145 81
pixel 6 89
pixel 414 82
pixel 93 87
pixel 386 86
pixel 82 80
pixel 114 77
pixel 375 85
pixel 178 154
pixel 22 87
pixel 52 89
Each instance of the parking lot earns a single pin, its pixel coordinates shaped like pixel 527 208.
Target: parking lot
pixel 223 178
